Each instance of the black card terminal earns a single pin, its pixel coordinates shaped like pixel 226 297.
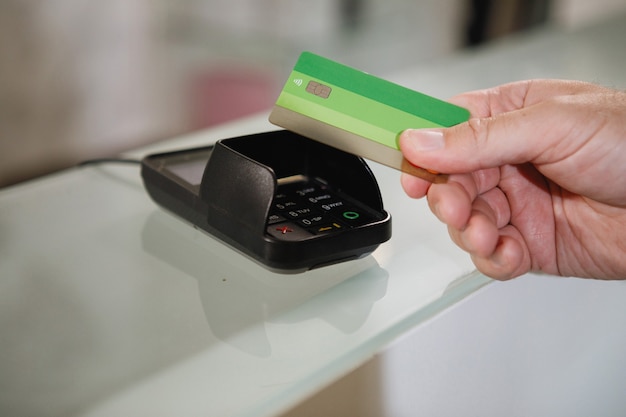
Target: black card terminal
pixel 290 203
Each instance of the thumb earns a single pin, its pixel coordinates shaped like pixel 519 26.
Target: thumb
pixel 509 138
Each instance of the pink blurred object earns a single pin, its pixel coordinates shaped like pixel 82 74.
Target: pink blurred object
pixel 224 94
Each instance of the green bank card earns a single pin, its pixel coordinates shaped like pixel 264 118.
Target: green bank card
pixel 358 112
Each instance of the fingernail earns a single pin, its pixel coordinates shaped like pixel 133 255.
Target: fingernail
pixel 425 140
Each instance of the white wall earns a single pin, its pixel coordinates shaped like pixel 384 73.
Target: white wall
pixel 82 79
pixel 573 13
pixel 78 79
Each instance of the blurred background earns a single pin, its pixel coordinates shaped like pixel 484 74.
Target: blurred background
pixel 81 79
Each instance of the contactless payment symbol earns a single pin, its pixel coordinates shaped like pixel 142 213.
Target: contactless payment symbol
pixel 298 81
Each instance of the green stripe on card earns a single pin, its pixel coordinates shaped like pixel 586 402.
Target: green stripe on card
pixel 329 72
pixel 349 111
pixel 339 119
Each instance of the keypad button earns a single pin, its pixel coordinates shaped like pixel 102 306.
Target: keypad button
pixel 312 222
pixel 320 198
pixel 353 216
pixel 275 218
pixel 285 205
pixel 332 205
pixel 306 191
pixel 299 213
pixel 288 231
pixel 326 228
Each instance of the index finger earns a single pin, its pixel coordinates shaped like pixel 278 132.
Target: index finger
pixel 517 95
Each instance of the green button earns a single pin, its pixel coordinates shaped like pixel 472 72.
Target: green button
pixel 351 215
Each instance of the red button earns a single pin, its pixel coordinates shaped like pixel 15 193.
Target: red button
pixel 284 230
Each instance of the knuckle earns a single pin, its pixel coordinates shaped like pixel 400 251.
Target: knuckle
pixel 479 130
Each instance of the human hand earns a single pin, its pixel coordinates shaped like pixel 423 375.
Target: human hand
pixel 538 178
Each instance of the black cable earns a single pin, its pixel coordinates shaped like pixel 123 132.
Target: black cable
pixel 109 161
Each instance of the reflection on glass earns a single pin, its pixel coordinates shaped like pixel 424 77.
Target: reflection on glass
pixel 238 296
